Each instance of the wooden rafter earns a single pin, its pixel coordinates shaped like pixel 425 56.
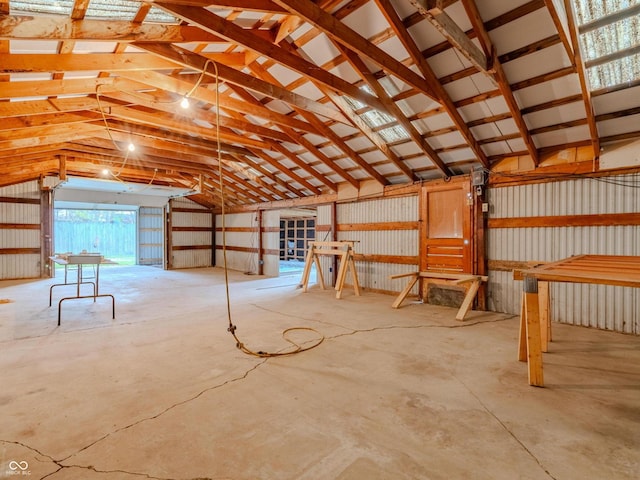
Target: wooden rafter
pixel 218 25
pixel 424 68
pixel 501 78
pixel 397 113
pixel 341 33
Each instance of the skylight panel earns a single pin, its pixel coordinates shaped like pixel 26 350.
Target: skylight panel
pixel 617 72
pixel 609 40
pixel 101 9
pixel 56 7
pixel 376 119
pixel 124 9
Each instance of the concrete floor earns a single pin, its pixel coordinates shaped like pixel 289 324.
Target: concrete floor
pixel 162 392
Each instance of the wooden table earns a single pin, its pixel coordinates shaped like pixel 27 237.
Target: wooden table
pixel 616 270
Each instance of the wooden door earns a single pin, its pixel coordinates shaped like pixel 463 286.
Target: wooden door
pixel 446 230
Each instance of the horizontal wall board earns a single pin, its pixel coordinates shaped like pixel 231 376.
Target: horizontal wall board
pixel 602 219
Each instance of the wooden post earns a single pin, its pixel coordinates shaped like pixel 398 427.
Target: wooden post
pixel 534 347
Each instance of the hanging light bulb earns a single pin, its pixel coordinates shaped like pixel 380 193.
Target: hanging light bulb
pixel 185 102
pixel 105 171
pixel 131 147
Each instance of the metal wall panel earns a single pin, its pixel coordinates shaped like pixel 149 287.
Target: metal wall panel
pixel 598 306
pixel 375 275
pixel 397 209
pixel 242 261
pixel 324 213
pixel 190 258
pixel 271 241
pixel 16 266
pixel 150 236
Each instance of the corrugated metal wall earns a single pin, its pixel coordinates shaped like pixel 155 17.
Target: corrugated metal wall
pixel 242 241
pixel 324 234
pixel 191 242
pixel 375 275
pixel 271 243
pixel 21 265
pixel 611 308
pixel 150 236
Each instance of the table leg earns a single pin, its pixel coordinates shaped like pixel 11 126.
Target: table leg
pixel 545 320
pixel 522 337
pixel 534 345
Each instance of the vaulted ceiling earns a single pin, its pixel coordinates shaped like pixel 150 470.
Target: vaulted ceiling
pixel 295 98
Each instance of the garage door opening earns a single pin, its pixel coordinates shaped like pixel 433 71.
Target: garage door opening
pixel 111 233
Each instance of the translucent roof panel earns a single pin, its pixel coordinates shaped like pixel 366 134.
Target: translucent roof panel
pixel 590 10
pixel 59 7
pixel 618 72
pixel 125 10
pixel 609 40
pixel 101 9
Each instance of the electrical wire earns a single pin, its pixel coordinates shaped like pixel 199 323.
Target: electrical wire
pixel 297 348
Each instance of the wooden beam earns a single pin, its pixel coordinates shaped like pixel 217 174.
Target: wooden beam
pixel 394 20
pixel 74 62
pixel 501 78
pixel 341 33
pixel 433 11
pixel 192 60
pixel 60 28
pixel 211 22
pixel 357 63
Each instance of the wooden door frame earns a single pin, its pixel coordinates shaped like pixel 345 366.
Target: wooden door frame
pixel 474 229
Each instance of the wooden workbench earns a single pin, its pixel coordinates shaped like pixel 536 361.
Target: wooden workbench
pixel 595 269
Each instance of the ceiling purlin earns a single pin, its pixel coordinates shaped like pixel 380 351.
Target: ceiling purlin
pixel 396 112
pixel 286 187
pixel 168 124
pixel 339 143
pixel 228 126
pixel 281 194
pixel 218 25
pixel 295 138
pixel 261 72
pixel 155 137
pixel 114 62
pixel 232 76
pixel 341 33
pixel 249 106
pixel 580 68
pixel 503 83
pixel 287 172
pixel 359 123
pixel 148 167
pixel 403 35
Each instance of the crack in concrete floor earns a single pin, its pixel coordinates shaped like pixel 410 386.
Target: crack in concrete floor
pixel 261 362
